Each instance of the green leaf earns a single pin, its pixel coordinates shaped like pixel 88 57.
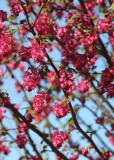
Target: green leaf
pixel 70 121
pixel 53 87
pixel 87 30
pixel 112 7
pixel 12 30
pixel 51 1
pixel 73 96
pixel 65 101
pixel 45 146
pixel 73 17
pixel 3 133
pixel 49 36
pixel 37 36
pixel 91 132
pixel 43 151
pixel 11 18
pixel 61 1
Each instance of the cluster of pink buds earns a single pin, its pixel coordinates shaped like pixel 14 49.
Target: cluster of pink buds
pixel 60 109
pixel 31 79
pixel 104 24
pixel 58 138
pixel 22 127
pixel 41 101
pixel 7 45
pixel 84 151
pixel 3 15
pixel 83 86
pixel 66 82
pixel 24 53
pixel 38 52
pixel 4 149
pixel 106 155
pixel 106 84
pixel 4 99
pixel 90 5
pixel 21 140
pixel 107 76
pixel 15 7
pixel 100 120
pixel 62 30
pixel 43 25
pixel 110 90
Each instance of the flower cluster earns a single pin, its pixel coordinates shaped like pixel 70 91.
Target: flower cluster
pixel 107 76
pixel 22 127
pixel 90 5
pixel 80 61
pixel 4 99
pixel 84 151
pixel 31 79
pixel 21 140
pixel 15 7
pixel 24 53
pixel 41 101
pixel 43 25
pixel 38 52
pixel 61 109
pixel 83 86
pixel 58 138
pixel 3 15
pixel 7 45
pixel 104 24
pixel 100 120
pixel 106 155
pixel 106 84
pixel 66 82
pixel 3 149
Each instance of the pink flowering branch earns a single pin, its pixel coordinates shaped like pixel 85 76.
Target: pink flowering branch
pixel 33 128
pixel 70 106
pixel 80 32
pixel 103 50
pixel 74 116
